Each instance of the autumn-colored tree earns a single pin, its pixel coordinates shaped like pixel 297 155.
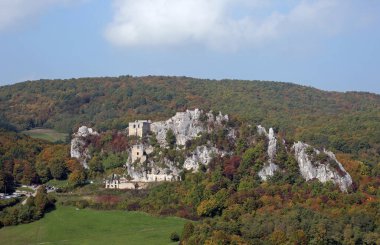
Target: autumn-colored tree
pixel 29 174
pixel 188 230
pixel 95 165
pixel 77 177
pixel 231 166
pixel 73 164
pixel 119 143
pixel 51 162
pixel 278 237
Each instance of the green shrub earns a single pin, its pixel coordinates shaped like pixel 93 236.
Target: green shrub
pixel 82 204
pixel 174 237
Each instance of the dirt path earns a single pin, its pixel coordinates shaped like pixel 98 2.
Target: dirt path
pixel 33 194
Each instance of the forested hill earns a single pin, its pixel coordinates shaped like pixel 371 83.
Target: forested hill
pixel 344 122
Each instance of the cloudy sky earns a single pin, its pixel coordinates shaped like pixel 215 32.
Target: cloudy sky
pixel 328 44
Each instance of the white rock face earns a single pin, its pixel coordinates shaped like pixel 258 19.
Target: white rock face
pixel 272 144
pixel 268 170
pixel 185 125
pixel 78 149
pixel 261 130
pixel 218 119
pixel 85 131
pixel 140 173
pixel 270 167
pixel 323 172
pixel 201 155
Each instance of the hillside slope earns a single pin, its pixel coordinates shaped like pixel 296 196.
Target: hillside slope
pixel 345 122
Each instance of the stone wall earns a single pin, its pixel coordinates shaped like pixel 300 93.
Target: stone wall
pixel 139 128
pixel 138 153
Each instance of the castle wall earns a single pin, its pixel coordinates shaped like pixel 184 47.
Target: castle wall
pixel 139 128
pixel 138 153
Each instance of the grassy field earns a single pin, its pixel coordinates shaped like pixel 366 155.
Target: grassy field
pixel 67 225
pixel 27 189
pixel 46 134
pixel 58 183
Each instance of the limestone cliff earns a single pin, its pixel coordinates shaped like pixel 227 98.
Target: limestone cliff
pixel 186 125
pixel 325 170
pixel 78 145
pixel 313 164
pixel 269 167
pixel 152 172
pixel 201 155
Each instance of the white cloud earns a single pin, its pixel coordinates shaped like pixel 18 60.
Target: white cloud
pixel 12 12
pixel 222 24
pixel 147 22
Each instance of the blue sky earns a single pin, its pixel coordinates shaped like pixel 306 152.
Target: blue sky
pixel 328 44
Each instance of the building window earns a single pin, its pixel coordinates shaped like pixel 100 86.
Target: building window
pixel 138 153
pixel 134 125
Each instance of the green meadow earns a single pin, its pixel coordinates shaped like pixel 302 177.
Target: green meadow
pixel 68 225
pixel 46 134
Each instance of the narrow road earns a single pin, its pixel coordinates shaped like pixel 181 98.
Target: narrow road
pixel 33 194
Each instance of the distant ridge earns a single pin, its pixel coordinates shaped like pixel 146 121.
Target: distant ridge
pixel 345 122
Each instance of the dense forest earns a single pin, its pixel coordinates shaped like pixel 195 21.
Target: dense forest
pixel 344 122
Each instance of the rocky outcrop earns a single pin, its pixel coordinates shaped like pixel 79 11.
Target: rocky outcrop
pixel 313 164
pixel 78 145
pixel 309 161
pixel 272 144
pixel 201 155
pixel 268 170
pixel 151 172
pixel 269 167
pixel 328 170
pixel 219 119
pixel 186 125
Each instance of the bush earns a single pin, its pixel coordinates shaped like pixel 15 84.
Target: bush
pixel 188 230
pixel 133 206
pixel 174 237
pixel 170 138
pixel 81 204
pixel 4 203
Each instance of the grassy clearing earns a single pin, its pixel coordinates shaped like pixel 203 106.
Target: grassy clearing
pixel 46 134
pixel 27 189
pixel 67 225
pixel 58 183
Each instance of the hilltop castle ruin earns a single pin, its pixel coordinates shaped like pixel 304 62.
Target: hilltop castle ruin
pixel 139 128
